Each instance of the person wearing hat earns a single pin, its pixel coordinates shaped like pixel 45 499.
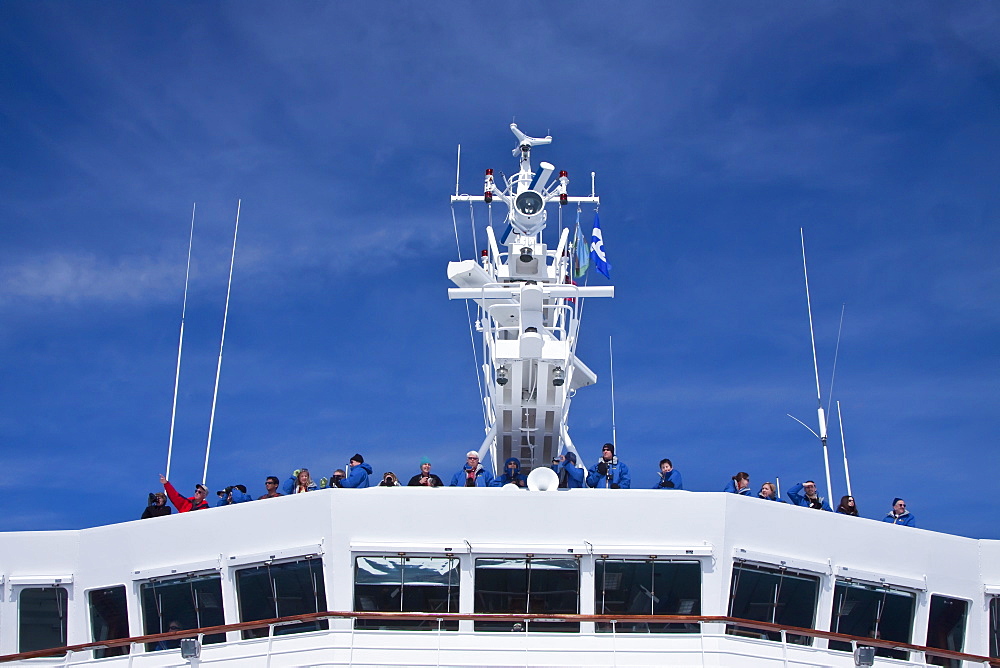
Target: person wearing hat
pixel 608 472
pixel 185 505
pixel 233 494
pixel 570 475
pixel 899 514
pixel 472 474
pixel 157 506
pixel 511 474
pixel 357 473
pixel 425 478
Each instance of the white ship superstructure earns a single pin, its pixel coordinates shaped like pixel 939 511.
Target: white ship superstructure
pixel 412 576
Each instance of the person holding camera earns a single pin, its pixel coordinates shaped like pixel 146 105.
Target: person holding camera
pixel 472 474
pixel 389 480
pixel 608 472
pixel 157 506
pixel 425 478
pixel 669 478
pixel 233 494
pixel 511 474
pixel 570 475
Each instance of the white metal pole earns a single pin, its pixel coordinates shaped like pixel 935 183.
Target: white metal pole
pixel 819 399
pixel 843 445
pixel 222 343
pixel 614 431
pixel 180 344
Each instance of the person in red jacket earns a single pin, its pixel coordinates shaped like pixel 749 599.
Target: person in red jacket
pixel 183 505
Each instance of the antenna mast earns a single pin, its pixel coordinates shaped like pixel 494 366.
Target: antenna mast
pixel 180 343
pixel 843 445
pixel 614 431
pixel 819 399
pixel 222 342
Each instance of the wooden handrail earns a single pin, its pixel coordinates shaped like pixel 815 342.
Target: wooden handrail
pixel 481 617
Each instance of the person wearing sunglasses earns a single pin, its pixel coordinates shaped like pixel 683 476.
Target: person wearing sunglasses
pixel 185 504
pixel 271 485
pixel 899 514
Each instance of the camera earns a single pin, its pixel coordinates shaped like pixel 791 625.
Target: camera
pixel 152 499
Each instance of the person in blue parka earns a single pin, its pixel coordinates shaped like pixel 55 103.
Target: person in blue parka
pixel 357 473
pixel 669 478
pixel 511 474
pixel 804 494
pixel 472 474
pixel 739 484
pixel 899 514
pixel 608 472
pixel 769 492
pixel 233 494
pixel 570 475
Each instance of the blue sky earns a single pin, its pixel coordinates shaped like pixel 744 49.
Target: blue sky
pixel 717 130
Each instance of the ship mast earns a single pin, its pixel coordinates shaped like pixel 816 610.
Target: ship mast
pixel 529 315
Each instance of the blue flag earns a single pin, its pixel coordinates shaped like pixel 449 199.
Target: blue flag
pixel 581 253
pixel 597 253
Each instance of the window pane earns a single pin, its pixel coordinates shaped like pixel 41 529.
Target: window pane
pixel 282 590
pixel 109 619
pixel 872 612
pixel 946 628
pixel 406 584
pixel 189 603
pixel 42 618
pixel 518 586
pixel 773 595
pixel 647 587
pixel 995 627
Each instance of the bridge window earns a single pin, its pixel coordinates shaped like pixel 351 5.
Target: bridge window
pixel 647 587
pixel 281 590
pixel 532 585
pixel 946 628
pixel 406 584
pixel 995 627
pixel 41 618
pixel 774 595
pixel 872 611
pixel 108 619
pixel 184 603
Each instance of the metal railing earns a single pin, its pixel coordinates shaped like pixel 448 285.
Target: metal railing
pixel 440 618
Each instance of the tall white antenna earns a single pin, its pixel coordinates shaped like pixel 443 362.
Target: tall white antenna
pixel 458 167
pixel 614 431
pixel 836 356
pixel 843 445
pixel 180 344
pixel 222 342
pixel 819 399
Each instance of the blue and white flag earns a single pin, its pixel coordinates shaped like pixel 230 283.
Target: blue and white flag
pixel 597 253
pixel 581 253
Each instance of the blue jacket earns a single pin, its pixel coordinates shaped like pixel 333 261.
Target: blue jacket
pixel 906 519
pixel 670 480
pixel 483 477
pixel 572 473
pixel 799 499
pixel 731 488
pixel 357 476
pixel 237 497
pixel 618 471
pixel 776 498
pixel 517 478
